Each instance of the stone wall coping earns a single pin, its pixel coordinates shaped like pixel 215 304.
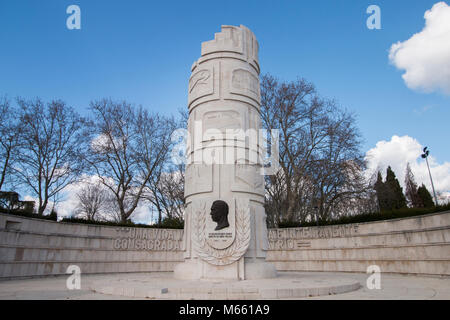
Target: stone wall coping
pixel 371 234
pixel 81 248
pixel 365 247
pixel 64 235
pixel 370 246
pixel 91 261
pixel 373 222
pixel 79 224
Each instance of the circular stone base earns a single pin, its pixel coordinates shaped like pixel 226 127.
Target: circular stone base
pixel 287 285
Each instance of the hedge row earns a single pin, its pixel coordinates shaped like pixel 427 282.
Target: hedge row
pixel 173 223
pixel 166 223
pixel 368 217
pixel 23 213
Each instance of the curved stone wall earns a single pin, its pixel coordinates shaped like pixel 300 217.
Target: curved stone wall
pixel 417 245
pixel 34 247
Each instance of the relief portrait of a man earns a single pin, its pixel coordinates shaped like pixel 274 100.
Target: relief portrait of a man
pixel 219 214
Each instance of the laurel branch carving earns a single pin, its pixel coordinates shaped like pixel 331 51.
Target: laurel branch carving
pixel 239 245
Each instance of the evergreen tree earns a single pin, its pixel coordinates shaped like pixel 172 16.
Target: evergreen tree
pixel 380 189
pixel 425 197
pixel 412 196
pixel 396 198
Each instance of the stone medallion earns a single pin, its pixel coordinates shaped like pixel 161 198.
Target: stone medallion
pixel 221 229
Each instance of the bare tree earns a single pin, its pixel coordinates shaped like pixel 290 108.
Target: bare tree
pixel 165 191
pixel 52 142
pixel 129 146
pixel 9 139
pixel 337 165
pixel 412 196
pixel 91 201
pixel 280 109
pixel 319 152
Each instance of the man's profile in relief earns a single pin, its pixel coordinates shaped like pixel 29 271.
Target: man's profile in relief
pixel 219 214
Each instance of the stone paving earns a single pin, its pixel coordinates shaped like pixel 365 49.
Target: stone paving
pixel 393 287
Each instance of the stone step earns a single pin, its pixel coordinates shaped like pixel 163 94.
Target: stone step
pixel 25 239
pixel 415 252
pixel 422 251
pixel 84 255
pixel 432 267
pixel 419 236
pixel 29 269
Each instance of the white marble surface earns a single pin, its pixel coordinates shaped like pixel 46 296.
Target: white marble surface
pixel 416 245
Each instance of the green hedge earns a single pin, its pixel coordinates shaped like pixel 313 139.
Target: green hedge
pixel 166 223
pixel 22 213
pixel 179 224
pixel 368 217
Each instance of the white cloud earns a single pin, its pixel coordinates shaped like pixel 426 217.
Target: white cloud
pixel 398 152
pixel 66 207
pixel 102 143
pixel 143 215
pixel 426 55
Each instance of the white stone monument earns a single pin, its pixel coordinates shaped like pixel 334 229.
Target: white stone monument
pixel 225 234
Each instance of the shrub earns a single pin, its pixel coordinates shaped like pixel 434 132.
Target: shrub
pixel 171 223
pixel 369 217
pixel 166 223
pixel 28 214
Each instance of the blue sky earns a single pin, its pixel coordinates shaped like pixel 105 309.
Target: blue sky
pixel 142 51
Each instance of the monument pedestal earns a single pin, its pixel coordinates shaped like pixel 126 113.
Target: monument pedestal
pixel 259 269
pixel 195 269
pixel 248 269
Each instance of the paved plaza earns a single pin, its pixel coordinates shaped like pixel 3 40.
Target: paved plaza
pixel 393 287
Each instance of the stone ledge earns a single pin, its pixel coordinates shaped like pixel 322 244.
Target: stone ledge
pixel 434 267
pixel 372 234
pixel 91 261
pixel 87 249
pixel 374 246
pixel 59 234
pixel 359 260
pixel 424 244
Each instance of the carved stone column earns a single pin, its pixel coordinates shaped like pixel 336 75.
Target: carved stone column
pixel 225 235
